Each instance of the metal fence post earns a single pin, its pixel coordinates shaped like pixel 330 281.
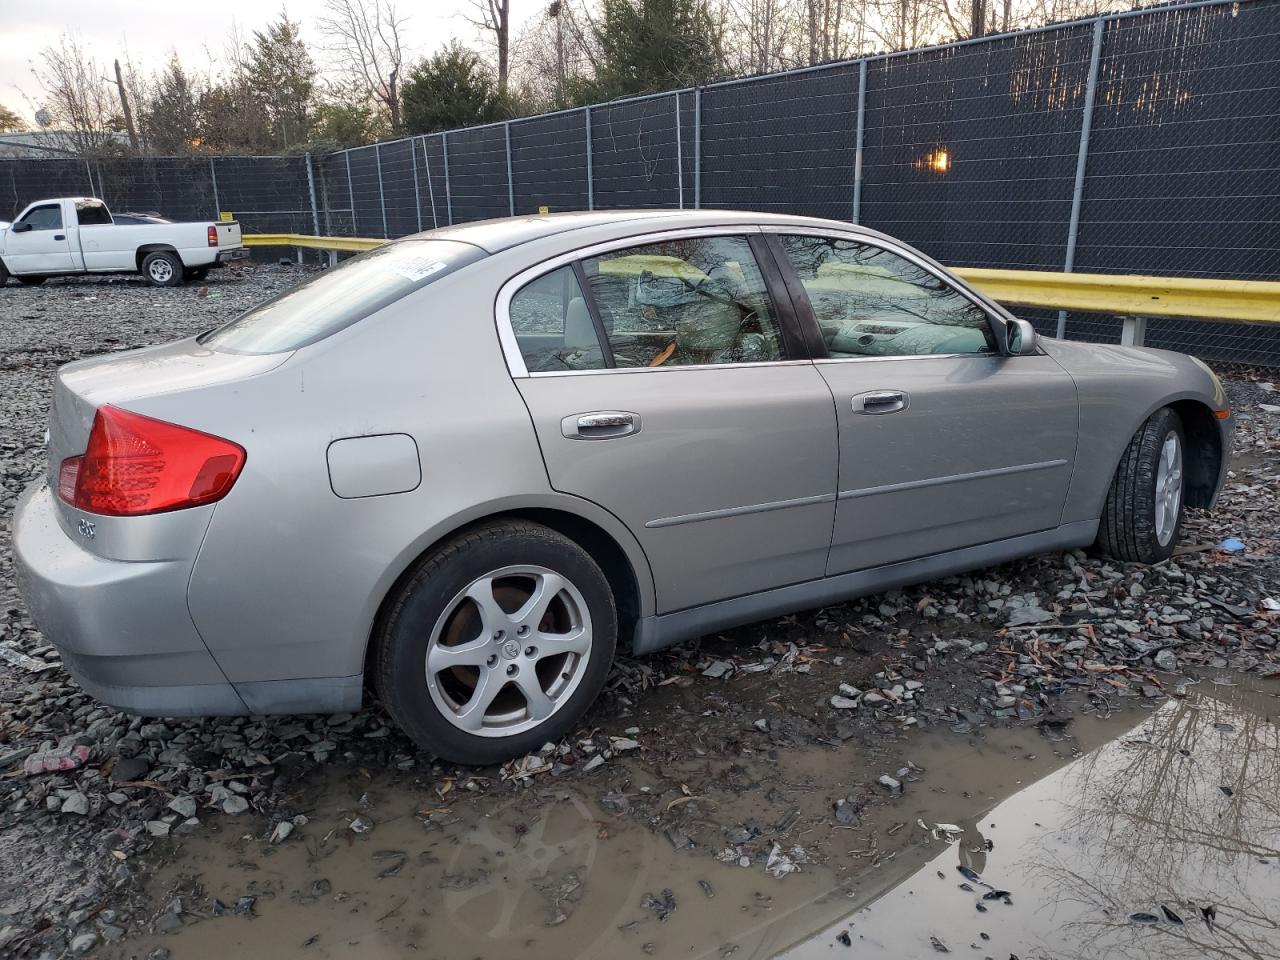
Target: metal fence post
pixel 417 196
pixel 382 197
pixel 697 148
pixel 511 186
pixel 857 143
pixel 431 190
pixel 448 187
pixel 351 194
pixel 89 170
pixel 679 156
pixel 591 186
pixel 1082 157
pixel 311 190
pixel 213 179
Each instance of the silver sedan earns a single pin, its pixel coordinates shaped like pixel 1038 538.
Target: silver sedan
pixel 468 467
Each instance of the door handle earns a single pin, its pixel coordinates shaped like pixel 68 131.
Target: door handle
pixel 600 425
pixel 59 236
pixel 876 402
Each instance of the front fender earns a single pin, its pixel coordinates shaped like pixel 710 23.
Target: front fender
pixel 1119 388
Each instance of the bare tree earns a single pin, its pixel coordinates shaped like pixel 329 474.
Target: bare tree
pixel 77 97
pixel 125 108
pixel 364 36
pixel 494 17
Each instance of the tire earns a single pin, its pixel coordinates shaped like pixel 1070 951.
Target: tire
pixel 196 274
pixel 32 280
pixel 162 269
pixel 435 701
pixel 1142 516
pixel 4 274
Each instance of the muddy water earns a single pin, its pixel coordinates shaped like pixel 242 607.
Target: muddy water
pixel 550 872
pixel 1164 843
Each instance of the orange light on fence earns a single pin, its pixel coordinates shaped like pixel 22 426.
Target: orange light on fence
pixel 940 161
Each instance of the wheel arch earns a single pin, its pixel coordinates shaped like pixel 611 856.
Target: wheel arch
pixel 1202 456
pixel 598 532
pixel 148 248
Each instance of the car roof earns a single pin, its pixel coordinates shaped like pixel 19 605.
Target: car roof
pixel 496 235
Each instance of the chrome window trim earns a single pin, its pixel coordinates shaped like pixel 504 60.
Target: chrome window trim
pixel 992 309
pixel 508 290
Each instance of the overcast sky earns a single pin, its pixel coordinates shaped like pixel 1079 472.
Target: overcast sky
pixel 147 30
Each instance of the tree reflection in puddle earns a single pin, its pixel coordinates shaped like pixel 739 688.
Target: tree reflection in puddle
pixel 1164 843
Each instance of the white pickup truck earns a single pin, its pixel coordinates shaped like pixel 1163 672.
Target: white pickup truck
pixel 73 235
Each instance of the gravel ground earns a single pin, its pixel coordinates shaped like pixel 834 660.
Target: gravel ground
pixel 1028 642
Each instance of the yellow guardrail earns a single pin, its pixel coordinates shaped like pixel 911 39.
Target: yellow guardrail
pixel 1256 301
pixel 347 244
pixel 1131 295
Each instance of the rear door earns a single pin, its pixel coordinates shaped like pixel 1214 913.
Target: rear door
pixel 43 248
pixel 666 384
pixel 944 441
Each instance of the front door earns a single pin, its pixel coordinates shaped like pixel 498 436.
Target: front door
pixel 664 384
pixel 44 247
pixel 944 442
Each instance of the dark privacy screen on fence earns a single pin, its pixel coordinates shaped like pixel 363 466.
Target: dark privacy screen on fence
pixel 981 153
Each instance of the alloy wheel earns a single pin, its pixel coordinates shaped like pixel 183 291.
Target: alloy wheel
pixel 1168 496
pixel 508 651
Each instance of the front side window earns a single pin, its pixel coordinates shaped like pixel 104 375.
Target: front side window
pixel 869 301
pixel 684 302
pixel 553 325
pixel 48 217
pixel 342 296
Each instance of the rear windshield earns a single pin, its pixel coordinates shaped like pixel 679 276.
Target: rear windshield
pixel 342 296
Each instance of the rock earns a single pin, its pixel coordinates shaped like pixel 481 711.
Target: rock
pixel 183 806
pixel 77 803
pixel 1027 616
pixel 1167 660
pixel 361 825
pixel 158 828
pixel 129 769
pixel 593 764
pixel 623 744
pixel 84 942
pixel 872 699
pixel 892 785
pixel 717 669
pixel 844 703
pixel 235 805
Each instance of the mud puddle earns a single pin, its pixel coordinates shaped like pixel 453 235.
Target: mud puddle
pixel 562 871
pixel 1163 843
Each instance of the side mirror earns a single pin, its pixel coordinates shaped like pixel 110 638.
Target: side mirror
pixel 1020 338
pixel 21 227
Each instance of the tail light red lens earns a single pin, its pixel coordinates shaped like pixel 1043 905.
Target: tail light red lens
pixel 213 236
pixel 136 465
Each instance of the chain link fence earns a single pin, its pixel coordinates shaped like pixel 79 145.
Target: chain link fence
pixel 1138 142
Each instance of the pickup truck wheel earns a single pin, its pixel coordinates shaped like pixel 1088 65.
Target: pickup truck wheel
pixel 4 274
pixel 32 281
pixel 162 269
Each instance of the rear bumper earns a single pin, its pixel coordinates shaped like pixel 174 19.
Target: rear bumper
pixel 122 628
pixel 235 253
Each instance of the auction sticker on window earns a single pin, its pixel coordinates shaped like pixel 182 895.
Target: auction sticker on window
pixel 416 268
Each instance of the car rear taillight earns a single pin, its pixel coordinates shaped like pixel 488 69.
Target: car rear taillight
pixel 136 465
pixel 213 236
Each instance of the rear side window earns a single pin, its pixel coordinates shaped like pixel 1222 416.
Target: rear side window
pixel 553 325
pixel 342 296
pixel 91 214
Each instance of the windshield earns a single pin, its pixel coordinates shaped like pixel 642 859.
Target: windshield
pixel 341 296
